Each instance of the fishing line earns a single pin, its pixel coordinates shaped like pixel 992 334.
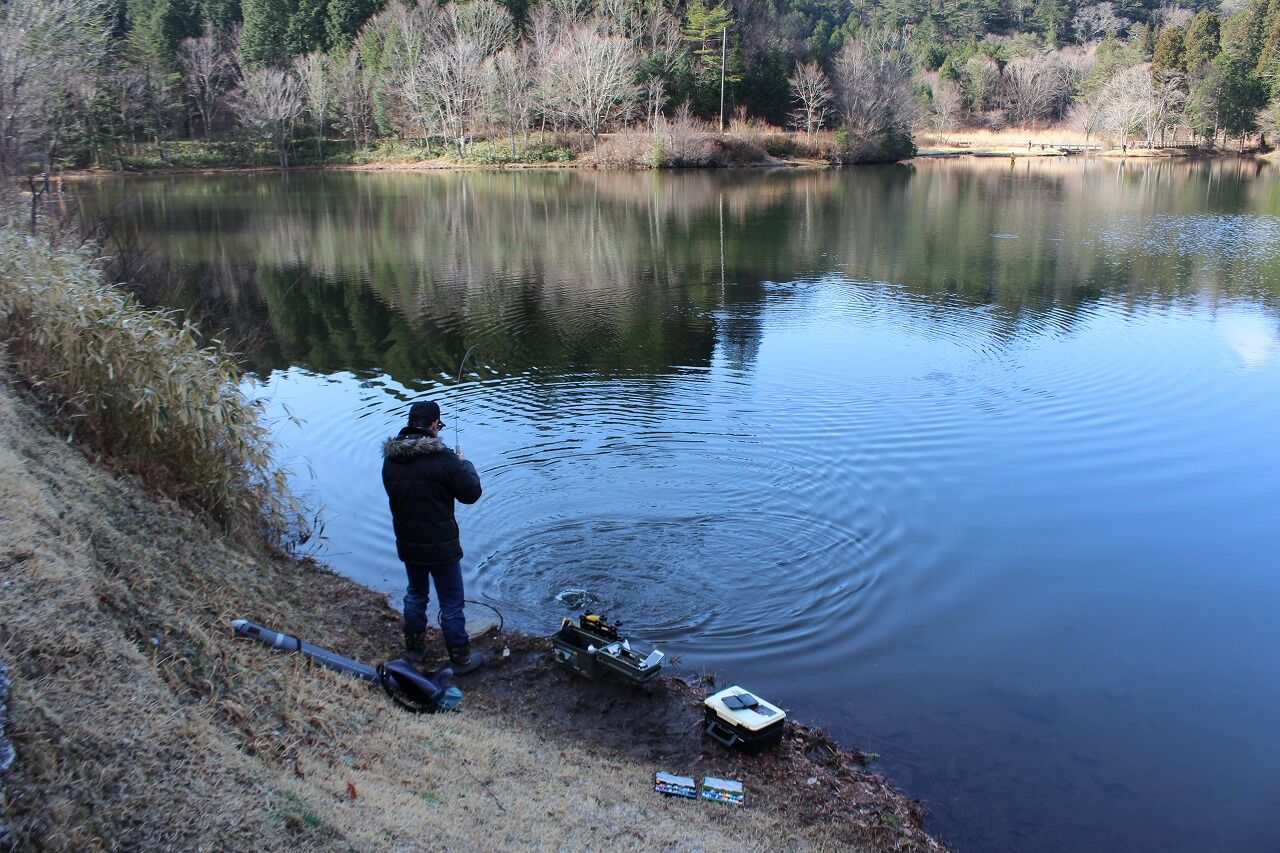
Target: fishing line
pixel 456 418
pixel 501 620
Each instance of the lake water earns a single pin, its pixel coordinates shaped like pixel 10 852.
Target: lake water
pixel 976 465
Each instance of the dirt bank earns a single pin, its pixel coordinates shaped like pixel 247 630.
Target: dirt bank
pixel 140 722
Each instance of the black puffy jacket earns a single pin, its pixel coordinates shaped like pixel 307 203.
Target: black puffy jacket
pixel 423 477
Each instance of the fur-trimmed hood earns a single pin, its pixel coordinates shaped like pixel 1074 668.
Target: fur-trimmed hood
pixel 403 448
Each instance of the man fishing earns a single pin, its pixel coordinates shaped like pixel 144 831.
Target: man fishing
pixel 423 477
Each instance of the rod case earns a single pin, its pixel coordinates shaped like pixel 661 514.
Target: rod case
pixel 410 689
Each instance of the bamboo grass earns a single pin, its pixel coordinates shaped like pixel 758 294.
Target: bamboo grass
pixel 138 384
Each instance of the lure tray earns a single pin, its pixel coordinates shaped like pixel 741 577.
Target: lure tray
pixel 591 647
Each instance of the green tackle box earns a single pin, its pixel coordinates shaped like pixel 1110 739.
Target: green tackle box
pixel 594 655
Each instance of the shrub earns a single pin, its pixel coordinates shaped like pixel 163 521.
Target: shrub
pixel 687 141
pixel 499 152
pixel 780 145
pixel 657 153
pixel 626 150
pixel 391 151
pixel 138 385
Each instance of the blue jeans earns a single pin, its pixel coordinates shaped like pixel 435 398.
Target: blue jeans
pixel 448 581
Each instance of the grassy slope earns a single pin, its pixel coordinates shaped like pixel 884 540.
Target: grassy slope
pixel 141 723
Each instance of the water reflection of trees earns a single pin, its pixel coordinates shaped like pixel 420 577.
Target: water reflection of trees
pixel 605 271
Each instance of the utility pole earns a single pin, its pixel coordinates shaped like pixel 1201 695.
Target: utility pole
pixel 724 41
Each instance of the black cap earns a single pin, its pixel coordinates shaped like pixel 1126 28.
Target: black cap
pixel 425 414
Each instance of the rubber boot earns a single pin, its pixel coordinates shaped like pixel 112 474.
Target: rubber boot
pixel 415 647
pixel 465 660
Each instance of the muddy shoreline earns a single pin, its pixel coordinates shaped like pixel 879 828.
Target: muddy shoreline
pixel 810 776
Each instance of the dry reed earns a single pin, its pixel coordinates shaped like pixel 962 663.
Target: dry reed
pixel 138 385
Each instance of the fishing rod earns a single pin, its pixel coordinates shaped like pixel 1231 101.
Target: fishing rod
pixel 457 447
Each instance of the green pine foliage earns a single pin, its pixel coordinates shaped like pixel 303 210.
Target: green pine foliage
pixel 157 26
pixel 1169 51
pixel 262 42
pixel 705 32
pixel 345 19
pixel 1201 44
pixel 308 30
pixel 1268 68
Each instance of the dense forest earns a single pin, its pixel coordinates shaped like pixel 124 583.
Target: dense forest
pixel 115 83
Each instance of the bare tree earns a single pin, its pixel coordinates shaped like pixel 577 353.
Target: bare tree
pixel 511 91
pixel 1085 117
pixel 434 62
pixel 1038 87
pixel 352 97
pixel 208 72
pixel 812 95
pixel 48 49
pixel 588 78
pixel 947 106
pixel 1269 120
pixel 406 35
pixel 1131 102
pixel 655 34
pixel 1093 23
pixel 484 23
pixel 271 101
pixel 872 74
pixel 317 93
pixel 455 66
pixel 547 23
pixel 1173 15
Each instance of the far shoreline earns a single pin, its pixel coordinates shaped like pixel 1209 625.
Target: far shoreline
pixel 932 153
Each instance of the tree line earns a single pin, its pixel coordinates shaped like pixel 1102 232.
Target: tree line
pixel 1206 76
pixel 82 80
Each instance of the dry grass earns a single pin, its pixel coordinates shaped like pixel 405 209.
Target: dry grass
pixel 137 384
pixel 1011 140
pixel 680 141
pixel 140 723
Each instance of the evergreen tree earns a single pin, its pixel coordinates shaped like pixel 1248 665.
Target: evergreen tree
pixel 1201 45
pixel 765 90
pixel 375 62
pixel 1241 96
pixel 222 15
pixel 1052 20
pixel 346 17
pixel 262 41
pixel 156 26
pixel 927 43
pixel 1169 51
pixel 1268 68
pixel 307 31
pixel 704 32
pixel 1244 32
pixel 1144 40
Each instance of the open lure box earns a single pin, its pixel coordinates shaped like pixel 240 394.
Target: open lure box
pixel 593 648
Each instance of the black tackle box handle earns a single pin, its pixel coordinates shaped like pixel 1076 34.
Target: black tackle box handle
pixel 714 731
